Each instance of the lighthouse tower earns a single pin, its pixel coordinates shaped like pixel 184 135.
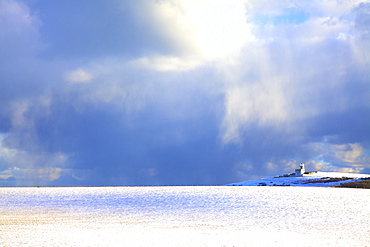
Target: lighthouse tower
pixel 299 172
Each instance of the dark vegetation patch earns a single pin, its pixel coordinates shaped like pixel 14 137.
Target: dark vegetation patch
pixel 363 184
pixel 328 180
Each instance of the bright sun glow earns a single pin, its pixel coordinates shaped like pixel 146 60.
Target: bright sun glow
pixel 219 28
pixel 201 31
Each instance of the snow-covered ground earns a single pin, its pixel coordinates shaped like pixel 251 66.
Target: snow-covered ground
pixel 184 216
pixel 317 179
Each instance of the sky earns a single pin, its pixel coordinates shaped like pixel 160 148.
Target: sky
pixel 181 92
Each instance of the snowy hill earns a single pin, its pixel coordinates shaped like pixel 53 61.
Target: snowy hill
pixel 309 179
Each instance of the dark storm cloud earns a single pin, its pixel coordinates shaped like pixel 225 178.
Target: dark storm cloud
pixel 86 29
pixel 177 145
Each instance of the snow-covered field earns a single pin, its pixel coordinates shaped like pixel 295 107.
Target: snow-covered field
pixel 317 179
pixel 184 216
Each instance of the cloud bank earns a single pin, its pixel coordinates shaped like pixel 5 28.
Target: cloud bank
pixel 181 92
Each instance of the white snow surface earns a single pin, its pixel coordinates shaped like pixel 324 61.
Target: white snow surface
pixel 309 180
pixel 184 216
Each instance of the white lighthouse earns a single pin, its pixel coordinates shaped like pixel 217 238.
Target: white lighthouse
pixel 299 172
